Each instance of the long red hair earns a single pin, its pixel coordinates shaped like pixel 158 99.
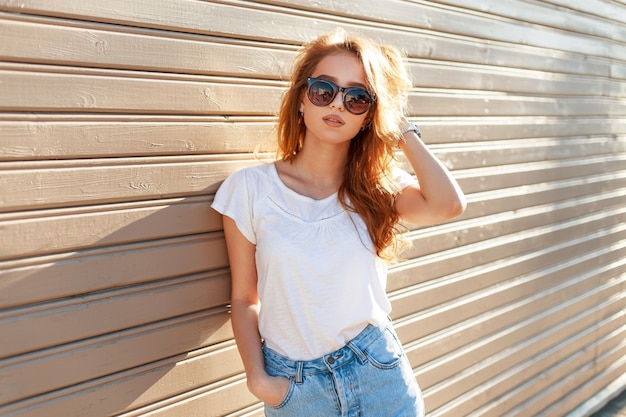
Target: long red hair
pixel 367 187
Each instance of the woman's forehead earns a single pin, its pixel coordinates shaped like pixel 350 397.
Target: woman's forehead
pixel 342 68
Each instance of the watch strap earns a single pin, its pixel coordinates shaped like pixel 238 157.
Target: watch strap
pixel 411 126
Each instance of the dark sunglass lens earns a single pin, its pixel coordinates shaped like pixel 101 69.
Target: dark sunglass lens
pixel 357 101
pixel 321 93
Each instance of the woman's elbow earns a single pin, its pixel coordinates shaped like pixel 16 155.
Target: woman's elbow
pixel 458 206
pixel 454 207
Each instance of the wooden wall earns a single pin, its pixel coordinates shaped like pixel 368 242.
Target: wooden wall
pixel 119 119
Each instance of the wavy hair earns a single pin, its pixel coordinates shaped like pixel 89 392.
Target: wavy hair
pixel 367 188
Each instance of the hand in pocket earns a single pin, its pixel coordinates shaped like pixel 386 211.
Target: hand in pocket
pixel 272 390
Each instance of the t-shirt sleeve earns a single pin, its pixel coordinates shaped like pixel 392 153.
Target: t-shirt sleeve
pixel 402 178
pixel 233 199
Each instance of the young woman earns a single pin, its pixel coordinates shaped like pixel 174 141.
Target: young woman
pixel 309 235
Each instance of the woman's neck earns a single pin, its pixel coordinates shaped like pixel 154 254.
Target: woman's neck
pixel 316 171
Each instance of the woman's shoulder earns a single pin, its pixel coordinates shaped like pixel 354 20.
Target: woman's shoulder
pixel 260 172
pixel 246 184
pixel 254 177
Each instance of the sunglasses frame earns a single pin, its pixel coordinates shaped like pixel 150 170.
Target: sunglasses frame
pixel 336 90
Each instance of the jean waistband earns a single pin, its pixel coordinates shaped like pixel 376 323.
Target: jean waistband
pixel 353 349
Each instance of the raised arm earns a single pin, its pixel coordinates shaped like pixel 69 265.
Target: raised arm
pixel 245 316
pixel 438 197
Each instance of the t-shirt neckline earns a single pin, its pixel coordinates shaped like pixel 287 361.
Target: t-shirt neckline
pixel 284 187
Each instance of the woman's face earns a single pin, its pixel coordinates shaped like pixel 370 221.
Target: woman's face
pixel 333 123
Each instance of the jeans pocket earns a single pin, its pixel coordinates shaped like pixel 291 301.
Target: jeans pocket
pixel 274 372
pixel 385 352
pixel 287 397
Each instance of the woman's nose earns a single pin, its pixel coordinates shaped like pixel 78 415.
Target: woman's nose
pixel 337 102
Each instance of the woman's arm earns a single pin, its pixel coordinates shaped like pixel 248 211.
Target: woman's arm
pixel 437 197
pixel 245 316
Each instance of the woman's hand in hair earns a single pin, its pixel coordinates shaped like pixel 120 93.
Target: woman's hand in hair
pixel 437 197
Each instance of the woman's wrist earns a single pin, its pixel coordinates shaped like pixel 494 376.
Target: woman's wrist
pixel 408 131
pixel 410 127
pixel 256 374
pixel 256 380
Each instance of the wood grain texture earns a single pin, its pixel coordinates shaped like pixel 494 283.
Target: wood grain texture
pixel 65 275
pixel 111 353
pixel 140 386
pixel 128 180
pixel 119 121
pixel 109 225
pixel 205 18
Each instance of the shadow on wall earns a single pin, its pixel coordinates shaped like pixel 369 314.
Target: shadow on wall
pixel 129 307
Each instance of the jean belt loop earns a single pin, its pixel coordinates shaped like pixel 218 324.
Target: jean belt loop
pixel 299 367
pixel 358 352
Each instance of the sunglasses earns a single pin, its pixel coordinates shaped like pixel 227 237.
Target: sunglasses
pixel 357 100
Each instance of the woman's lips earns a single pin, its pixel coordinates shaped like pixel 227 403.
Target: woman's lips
pixel 333 120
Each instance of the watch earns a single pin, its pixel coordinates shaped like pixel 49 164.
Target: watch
pixel 411 126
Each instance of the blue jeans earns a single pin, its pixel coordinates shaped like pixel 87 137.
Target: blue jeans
pixel 368 377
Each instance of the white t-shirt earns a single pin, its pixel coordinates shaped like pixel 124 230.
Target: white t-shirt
pixel 320 281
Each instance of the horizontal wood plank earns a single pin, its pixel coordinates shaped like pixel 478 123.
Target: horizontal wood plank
pixel 21 140
pixel 481 361
pixel 130 180
pixel 94 358
pixel 272 25
pixel 37 279
pixel 482 402
pixel 107 49
pixel 606 375
pixel 96 184
pixel 562 378
pixel 39 41
pixel 463 232
pixel 116 136
pixel 601 8
pixel 562 14
pixel 78 318
pixel 496 386
pixel 138 387
pixel 97 93
pixel 437 321
pixel 108 92
pixel 109 225
pixel 514 31
pixel 118 123
pixel 487 251
pixel 209 401
pixel 436 293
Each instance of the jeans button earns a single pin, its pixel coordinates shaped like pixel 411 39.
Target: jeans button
pixel 332 359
